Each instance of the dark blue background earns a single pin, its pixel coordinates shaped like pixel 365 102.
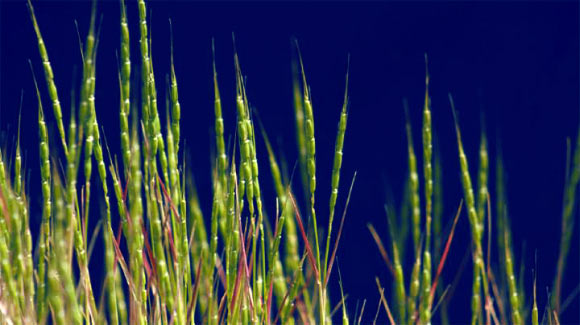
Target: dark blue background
pixel 517 62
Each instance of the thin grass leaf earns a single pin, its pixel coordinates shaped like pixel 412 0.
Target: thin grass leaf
pixel 384 301
pixel 336 170
pixel 444 255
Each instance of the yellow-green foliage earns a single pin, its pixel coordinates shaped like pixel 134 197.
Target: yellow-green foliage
pixel 165 263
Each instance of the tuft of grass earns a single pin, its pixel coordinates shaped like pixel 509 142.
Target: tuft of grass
pixel 165 263
pixel 503 297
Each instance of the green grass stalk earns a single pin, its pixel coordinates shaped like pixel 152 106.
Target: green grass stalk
pixel 338 153
pixel 425 312
pixel 479 270
pixel 569 207
pixel 413 183
pixel 49 76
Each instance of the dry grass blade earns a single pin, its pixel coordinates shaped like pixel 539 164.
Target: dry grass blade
pixel 362 310
pixel 304 236
pixel 193 301
pixel 384 301
pixel 441 299
pixel 497 297
pixel 341 303
pixel 382 249
pixel 339 231
pixel 445 253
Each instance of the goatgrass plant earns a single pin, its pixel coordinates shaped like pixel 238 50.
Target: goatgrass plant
pixel 165 264
pixel 503 297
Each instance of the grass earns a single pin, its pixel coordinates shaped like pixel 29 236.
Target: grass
pixel 166 262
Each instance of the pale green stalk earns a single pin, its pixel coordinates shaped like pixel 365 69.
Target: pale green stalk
pixel 292 259
pixel 87 103
pixel 87 83
pixel 148 86
pixel 476 311
pixel 275 274
pixel 427 165
pixel 250 142
pixel 43 248
pixel 345 320
pixel 180 274
pixel 54 298
pixel 68 224
pixel 399 283
pixel 80 236
pixel 310 140
pixel 6 267
pixel 482 183
pixel 425 309
pixel 116 305
pixel 232 240
pixel 71 233
pixel 513 292
pixel 258 199
pixel 200 248
pixel 298 100
pixel 173 136
pixel 413 183
pixel 56 295
pixel 156 233
pixel 48 74
pixel 291 238
pixel 213 255
pixel 28 274
pixel 568 220
pixel 175 106
pixel 155 125
pixel 286 213
pixel 311 167
pixel 479 273
pixel 15 230
pixel 414 289
pixel 246 155
pixel 220 143
pixel 245 141
pixel 482 180
pixel 136 239
pixel 134 294
pixel 178 224
pixel 336 174
pixel 89 123
pixel 151 119
pixel 125 106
